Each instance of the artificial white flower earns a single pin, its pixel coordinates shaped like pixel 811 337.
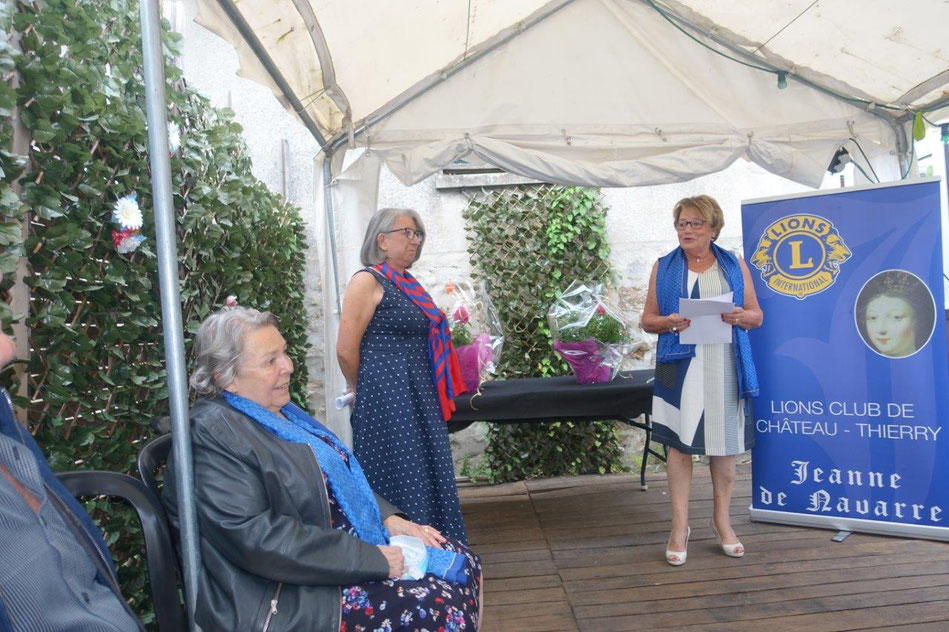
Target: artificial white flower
pixel 126 212
pixel 174 137
pixel 129 244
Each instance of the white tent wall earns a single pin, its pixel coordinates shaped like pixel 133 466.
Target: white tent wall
pixel 933 162
pixel 354 196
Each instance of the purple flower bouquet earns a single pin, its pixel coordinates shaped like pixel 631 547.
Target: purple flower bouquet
pixel 585 359
pixel 475 332
pixel 589 332
pixel 474 358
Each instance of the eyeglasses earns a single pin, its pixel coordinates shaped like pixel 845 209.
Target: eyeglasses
pixel 410 233
pixel 696 224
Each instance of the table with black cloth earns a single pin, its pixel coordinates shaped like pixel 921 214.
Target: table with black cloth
pixel 548 399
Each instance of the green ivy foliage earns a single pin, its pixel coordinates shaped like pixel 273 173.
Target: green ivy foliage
pixel 11 166
pixel 527 245
pixel 604 328
pixel 97 373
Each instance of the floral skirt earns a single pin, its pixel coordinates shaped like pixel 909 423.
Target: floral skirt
pixel 426 605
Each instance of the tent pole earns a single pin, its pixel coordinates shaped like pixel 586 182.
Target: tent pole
pixel 331 221
pixel 156 108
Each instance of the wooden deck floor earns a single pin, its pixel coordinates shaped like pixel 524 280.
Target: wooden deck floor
pixel 586 553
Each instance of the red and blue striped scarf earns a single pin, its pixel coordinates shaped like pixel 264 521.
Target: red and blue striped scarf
pixel 446 371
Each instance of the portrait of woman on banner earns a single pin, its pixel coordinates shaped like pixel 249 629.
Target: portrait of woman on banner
pixel 895 313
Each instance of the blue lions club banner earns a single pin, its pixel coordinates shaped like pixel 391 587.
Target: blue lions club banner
pixel 851 422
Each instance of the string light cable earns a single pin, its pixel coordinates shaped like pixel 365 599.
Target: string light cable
pixel 923 114
pixel 674 19
pixel 781 74
pixel 669 19
pixel 943 127
pixel 857 166
pixel 909 163
pixel 865 157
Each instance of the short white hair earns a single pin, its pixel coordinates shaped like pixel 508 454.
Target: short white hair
pixel 218 346
pixel 383 220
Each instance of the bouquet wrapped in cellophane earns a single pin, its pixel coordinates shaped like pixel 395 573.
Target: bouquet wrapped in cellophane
pixel 591 333
pixel 475 331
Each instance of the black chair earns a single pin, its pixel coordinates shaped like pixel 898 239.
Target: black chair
pixel 152 457
pixel 159 550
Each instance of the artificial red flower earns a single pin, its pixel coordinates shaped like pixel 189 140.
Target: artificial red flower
pixel 118 237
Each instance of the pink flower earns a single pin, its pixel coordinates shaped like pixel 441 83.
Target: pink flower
pixel 461 315
pixel 600 309
pixel 231 301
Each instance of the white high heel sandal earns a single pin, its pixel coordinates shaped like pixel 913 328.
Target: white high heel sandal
pixel 677 558
pixel 731 550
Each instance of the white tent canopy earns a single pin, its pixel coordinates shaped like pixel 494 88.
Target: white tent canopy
pixel 592 92
pixel 599 92
pixel 619 108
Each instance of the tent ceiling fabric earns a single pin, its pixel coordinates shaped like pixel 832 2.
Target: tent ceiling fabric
pixel 379 48
pixel 556 108
pixel 884 52
pixel 600 92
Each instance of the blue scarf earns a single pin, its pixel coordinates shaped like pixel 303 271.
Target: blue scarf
pixel 349 484
pixel 672 283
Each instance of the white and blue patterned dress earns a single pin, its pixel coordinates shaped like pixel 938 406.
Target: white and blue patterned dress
pixel 696 408
pixel 399 435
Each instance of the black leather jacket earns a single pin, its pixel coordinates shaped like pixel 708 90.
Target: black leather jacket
pixel 270 559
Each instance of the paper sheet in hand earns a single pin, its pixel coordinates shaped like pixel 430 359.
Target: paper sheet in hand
pixel 707 326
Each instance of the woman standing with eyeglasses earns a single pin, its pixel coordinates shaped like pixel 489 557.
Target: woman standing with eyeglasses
pixel 702 393
pixel 394 348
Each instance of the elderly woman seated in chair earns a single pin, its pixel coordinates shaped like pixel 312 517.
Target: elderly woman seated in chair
pixel 292 537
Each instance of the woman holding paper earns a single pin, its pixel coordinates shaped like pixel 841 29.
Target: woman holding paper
pixel 702 392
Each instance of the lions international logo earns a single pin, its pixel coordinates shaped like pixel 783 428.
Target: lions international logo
pixel 800 255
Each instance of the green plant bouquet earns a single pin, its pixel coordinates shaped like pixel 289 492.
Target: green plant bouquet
pixel 475 331
pixel 589 332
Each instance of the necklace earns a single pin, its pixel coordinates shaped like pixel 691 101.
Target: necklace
pixel 698 259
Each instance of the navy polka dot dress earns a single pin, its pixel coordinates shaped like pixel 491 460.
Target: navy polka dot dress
pixel 399 435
